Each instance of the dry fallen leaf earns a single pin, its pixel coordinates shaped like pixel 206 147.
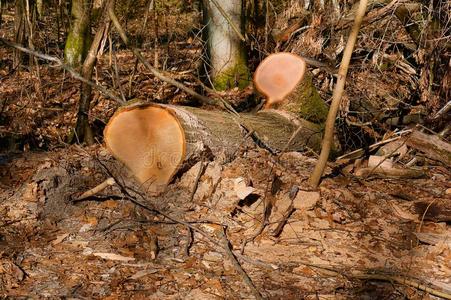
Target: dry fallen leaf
pixel 142 273
pixel 241 190
pixel 380 162
pixel 306 200
pixel 403 213
pixel 59 239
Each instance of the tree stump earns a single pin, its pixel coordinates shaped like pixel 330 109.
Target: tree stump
pixel 285 82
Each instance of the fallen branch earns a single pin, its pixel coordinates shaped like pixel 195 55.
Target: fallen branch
pixel 175 220
pixel 224 244
pixel 238 267
pixel 374 16
pixel 394 173
pixel 97 189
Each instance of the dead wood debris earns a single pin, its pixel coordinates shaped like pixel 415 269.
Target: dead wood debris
pixel 328 244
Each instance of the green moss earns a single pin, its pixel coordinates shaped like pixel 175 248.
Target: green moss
pixel 235 76
pixel 308 103
pixel 79 39
pixel 75 49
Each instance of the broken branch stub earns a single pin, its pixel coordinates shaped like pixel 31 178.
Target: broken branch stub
pixel 278 75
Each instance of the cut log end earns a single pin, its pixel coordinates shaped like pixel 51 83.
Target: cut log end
pixel 149 141
pixel 278 75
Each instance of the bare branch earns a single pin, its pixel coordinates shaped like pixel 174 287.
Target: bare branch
pixel 336 98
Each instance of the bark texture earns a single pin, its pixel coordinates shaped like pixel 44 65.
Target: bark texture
pixel 20 29
pixel 82 128
pixel 79 38
pixel 156 141
pixel 305 102
pixel 227 57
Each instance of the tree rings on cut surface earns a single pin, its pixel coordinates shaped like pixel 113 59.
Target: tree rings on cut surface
pixel 157 141
pixel 150 141
pixel 278 75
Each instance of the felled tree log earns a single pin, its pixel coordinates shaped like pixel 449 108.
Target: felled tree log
pixel 285 82
pixel 156 141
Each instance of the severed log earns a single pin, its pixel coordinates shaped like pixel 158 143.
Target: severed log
pixel 156 141
pixel 431 145
pixel 285 82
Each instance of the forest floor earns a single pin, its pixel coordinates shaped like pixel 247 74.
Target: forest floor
pixel 353 238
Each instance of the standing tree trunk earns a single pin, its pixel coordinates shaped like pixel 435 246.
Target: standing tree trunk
pixel 226 53
pixel 82 129
pixel 79 38
pixel 40 8
pixel 20 30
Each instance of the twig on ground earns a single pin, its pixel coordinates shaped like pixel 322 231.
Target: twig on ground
pixel 220 245
pixel 385 157
pixel 359 152
pixel 189 241
pixel 237 265
pixel 283 221
pixel 376 15
pixel 95 190
pixel 267 209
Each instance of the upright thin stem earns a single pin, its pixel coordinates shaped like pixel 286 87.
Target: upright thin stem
pixel 336 98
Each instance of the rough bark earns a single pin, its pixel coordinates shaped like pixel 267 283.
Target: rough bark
pixel 227 57
pixel 78 40
pixel 285 82
pixel 305 102
pixel 20 29
pixel 157 141
pixel 218 130
pixel 82 128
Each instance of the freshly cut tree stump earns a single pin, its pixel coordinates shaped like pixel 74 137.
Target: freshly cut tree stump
pixel 284 80
pixel 156 141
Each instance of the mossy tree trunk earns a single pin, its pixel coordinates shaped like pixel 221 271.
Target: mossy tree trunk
pixel 305 102
pixel 79 38
pixel 82 129
pixel 226 53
